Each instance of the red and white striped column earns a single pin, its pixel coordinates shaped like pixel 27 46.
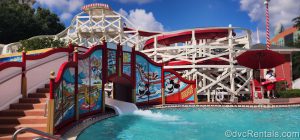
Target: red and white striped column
pixel 267 24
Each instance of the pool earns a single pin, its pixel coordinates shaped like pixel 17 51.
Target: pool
pixel 199 123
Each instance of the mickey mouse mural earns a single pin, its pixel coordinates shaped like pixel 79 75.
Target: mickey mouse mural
pixel 142 89
pixel 171 85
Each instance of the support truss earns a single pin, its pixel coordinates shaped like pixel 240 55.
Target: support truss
pixel 228 77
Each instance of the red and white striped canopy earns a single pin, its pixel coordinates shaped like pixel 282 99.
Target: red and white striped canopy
pixel 96 6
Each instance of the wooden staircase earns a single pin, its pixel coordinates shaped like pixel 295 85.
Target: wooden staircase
pixel 29 112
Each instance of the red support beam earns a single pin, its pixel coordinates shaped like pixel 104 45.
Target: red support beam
pixel 75 59
pixel 71 47
pixel 162 85
pixel 24 79
pixel 133 72
pixel 104 72
pixel 52 85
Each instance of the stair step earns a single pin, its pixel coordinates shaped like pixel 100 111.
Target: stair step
pixel 24 136
pixel 38 95
pixel 42 90
pixel 27 106
pixel 17 112
pixel 10 128
pixel 47 85
pixel 29 112
pixel 32 100
pixel 23 120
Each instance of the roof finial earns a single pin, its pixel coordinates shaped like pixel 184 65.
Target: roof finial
pixel 52 74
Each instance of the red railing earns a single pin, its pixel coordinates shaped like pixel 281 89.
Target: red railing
pixel 26 58
pixel 7 65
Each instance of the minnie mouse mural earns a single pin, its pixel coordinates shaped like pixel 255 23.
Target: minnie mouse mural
pixel 171 85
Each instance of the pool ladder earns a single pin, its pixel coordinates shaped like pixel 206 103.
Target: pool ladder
pixel 41 133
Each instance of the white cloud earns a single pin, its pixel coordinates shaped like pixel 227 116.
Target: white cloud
pixel 65 16
pixel 123 12
pixel 142 20
pixel 135 1
pixel 281 11
pixel 65 7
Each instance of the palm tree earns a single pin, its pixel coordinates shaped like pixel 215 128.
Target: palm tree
pixel 297 22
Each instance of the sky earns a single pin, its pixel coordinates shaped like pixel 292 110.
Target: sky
pixel 171 15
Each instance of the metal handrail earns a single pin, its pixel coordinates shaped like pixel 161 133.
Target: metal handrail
pixel 46 108
pixel 41 133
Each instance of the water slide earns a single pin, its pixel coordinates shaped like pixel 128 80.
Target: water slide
pixel 186 35
pixel 120 107
pixel 167 39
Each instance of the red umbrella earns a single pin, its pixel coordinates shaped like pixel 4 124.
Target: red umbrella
pixel 260 59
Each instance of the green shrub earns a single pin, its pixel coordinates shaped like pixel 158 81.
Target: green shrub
pixel 280 86
pixel 289 93
pixel 41 43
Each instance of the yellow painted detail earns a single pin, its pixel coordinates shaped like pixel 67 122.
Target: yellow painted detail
pixel 29 52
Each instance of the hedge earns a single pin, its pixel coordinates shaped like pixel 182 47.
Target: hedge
pixel 41 43
pixel 289 93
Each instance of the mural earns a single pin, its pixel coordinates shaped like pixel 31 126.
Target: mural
pixel 11 59
pixel 177 90
pixel 90 82
pixel 127 63
pixel 112 67
pixel 58 108
pixel 83 85
pixel 148 84
pixel 96 80
pixel 64 97
pixel 148 81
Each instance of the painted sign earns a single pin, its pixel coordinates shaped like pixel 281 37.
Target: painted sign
pixel 148 81
pixel 177 89
pixel 90 82
pixel 112 61
pixel 127 63
pixel 64 97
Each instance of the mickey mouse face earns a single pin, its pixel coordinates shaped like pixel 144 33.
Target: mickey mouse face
pixel 171 85
pixel 168 81
pixel 141 84
pixel 141 88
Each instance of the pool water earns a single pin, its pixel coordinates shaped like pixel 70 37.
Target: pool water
pixel 199 124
